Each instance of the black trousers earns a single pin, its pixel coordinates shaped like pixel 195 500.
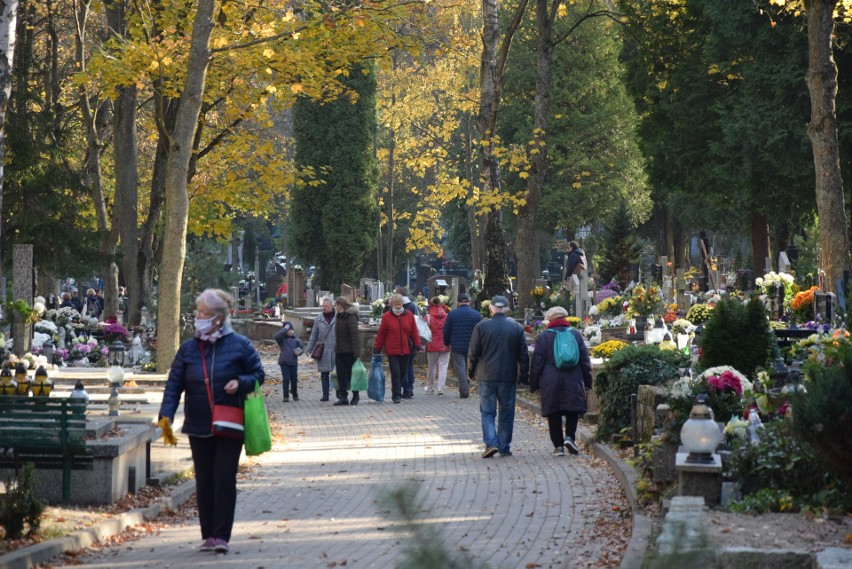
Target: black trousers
pixel 398 368
pixel 216 460
pixel 554 424
pixel 343 364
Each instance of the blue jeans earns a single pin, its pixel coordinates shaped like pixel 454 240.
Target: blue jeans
pixel 288 372
pixel 490 394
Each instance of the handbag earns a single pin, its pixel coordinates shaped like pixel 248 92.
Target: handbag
pixel 227 421
pixel 319 348
pixel 258 436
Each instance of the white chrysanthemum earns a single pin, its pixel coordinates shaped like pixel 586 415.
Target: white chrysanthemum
pixel 45 327
pixel 39 339
pixel 681 388
pixel 593 310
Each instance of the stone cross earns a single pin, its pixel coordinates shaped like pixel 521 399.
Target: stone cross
pixel 22 289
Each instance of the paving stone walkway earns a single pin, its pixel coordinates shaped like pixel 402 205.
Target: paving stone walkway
pixel 319 498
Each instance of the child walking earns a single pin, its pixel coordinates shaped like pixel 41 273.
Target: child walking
pixel 291 349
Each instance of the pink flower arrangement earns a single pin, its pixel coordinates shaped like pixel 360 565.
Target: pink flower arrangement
pixel 726 380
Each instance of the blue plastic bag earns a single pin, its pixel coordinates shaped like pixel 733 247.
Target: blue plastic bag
pixel 376 385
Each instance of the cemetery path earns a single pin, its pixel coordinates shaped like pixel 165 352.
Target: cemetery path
pixel 319 498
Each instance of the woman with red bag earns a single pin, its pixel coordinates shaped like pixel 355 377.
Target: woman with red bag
pixel 216 368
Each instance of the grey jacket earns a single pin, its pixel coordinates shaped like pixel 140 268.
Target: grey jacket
pixel 323 331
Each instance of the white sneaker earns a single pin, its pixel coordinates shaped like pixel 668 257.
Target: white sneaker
pixel 440 392
pixel 427 389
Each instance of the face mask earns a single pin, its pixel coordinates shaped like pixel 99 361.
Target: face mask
pixel 203 326
pixel 398 311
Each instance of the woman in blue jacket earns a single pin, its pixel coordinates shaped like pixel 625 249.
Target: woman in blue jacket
pixel 231 365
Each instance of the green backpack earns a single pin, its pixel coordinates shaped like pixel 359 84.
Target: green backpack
pixel 566 353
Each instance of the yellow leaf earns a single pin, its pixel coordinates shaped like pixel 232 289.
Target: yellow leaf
pixel 577 185
pixel 268 53
pixel 523 175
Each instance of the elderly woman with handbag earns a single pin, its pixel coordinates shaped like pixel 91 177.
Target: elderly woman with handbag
pixel 322 343
pixel 214 371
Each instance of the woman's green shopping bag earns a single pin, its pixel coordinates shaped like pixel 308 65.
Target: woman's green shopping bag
pixel 258 438
pixel 359 377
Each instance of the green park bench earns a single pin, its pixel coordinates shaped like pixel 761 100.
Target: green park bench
pixel 48 432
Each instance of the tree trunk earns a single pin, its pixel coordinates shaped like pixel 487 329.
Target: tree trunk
pixel 760 248
pixel 492 64
pixel 177 198
pixel 126 175
pixel 149 237
pixel 8 24
pixel 473 221
pixel 822 130
pixel 96 117
pixel 527 240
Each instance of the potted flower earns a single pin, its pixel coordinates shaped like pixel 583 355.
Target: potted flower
pixel 79 355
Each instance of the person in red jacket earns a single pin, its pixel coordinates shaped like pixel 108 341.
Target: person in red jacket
pixel 437 354
pixel 399 337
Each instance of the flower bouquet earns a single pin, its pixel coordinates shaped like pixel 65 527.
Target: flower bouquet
pixel 377 307
pixel 723 385
pixel 538 294
pixel 802 304
pixel 115 331
pixel 645 302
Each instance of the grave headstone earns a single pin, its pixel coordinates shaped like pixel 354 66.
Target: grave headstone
pixel 348 292
pixel 22 289
pixel 296 286
pixel 767 265
pixel 784 265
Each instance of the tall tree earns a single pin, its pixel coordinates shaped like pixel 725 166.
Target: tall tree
pixel 822 130
pixel 495 50
pixel 333 220
pixel 8 24
pixel 177 199
pixel 556 24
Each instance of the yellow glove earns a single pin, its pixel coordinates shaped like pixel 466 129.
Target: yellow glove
pixel 169 437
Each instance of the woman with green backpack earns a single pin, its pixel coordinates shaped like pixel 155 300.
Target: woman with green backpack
pixel 561 369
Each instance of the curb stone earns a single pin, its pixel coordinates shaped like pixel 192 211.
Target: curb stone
pixel 31 556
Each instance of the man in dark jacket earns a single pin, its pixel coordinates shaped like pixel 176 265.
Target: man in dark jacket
pixel 498 350
pixel 457 332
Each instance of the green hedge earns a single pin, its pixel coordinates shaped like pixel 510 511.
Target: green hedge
pixel 621 377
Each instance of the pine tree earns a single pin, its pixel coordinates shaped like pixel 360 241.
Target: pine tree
pixel 620 249
pixel 334 218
